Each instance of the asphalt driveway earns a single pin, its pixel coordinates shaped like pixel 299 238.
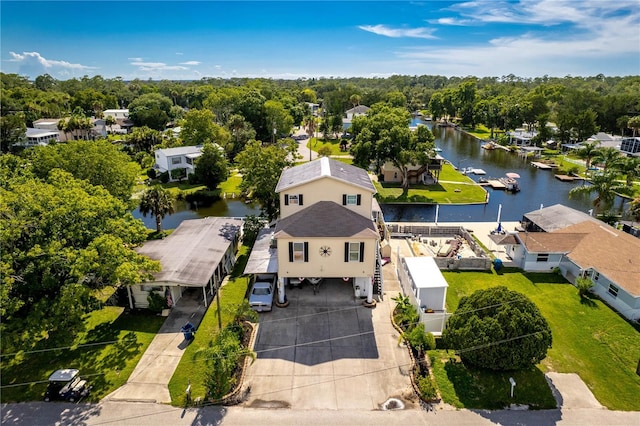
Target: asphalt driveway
pixel 327 351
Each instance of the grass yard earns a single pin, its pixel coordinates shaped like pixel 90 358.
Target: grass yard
pixel 482 132
pixel 334 144
pixel 589 338
pixel 106 366
pixel 191 365
pixel 232 184
pixel 453 188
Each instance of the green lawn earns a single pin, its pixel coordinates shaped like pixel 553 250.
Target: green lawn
pixel 232 184
pixel 453 188
pixel 315 144
pixel 106 366
pixel 589 338
pixel 191 365
pixel 482 132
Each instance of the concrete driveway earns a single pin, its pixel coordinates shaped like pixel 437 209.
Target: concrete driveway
pixel 327 351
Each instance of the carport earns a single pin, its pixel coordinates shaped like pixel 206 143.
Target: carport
pixel 199 253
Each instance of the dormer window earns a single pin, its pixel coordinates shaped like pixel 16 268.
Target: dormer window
pixel 293 199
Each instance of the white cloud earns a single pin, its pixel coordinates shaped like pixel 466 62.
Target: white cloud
pixel 157 66
pixel 191 63
pixel 451 21
pixel 386 31
pixel 33 64
pixel 135 59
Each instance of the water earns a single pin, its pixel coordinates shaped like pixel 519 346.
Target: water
pixel 538 187
pixel 221 208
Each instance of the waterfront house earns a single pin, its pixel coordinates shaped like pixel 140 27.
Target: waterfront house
pixel 327 231
pixel 579 245
pixel 182 157
pixel 425 174
pixel 198 254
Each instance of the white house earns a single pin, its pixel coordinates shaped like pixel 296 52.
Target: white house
pixel 182 157
pixel 357 111
pixel 39 137
pixel 422 281
pixel 116 113
pixel 581 246
pixel 198 254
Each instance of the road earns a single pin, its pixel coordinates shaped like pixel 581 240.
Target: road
pixel 132 413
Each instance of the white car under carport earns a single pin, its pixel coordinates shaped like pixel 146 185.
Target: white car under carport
pixel 262 291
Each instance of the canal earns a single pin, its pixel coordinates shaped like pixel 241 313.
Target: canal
pixel 538 187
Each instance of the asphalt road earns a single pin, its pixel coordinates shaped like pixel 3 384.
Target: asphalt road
pixel 131 413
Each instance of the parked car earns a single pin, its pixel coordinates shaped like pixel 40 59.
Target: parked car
pixel 66 385
pixel 261 295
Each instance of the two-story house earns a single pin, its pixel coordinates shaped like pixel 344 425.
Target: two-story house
pixel 182 157
pixel 326 229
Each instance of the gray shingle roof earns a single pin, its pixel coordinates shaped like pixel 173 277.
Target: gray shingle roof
pixel 193 251
pixel 556 217
pixel 325 219
pixel 324 168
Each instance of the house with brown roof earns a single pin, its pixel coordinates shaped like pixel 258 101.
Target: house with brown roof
pixel 581 246
pixel 327 227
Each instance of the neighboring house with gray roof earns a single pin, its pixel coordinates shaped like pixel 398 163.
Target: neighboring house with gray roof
pixel 199 253
pixel 581 246
pixel 327 226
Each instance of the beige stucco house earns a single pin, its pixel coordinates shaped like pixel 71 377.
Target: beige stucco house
pixel 326 228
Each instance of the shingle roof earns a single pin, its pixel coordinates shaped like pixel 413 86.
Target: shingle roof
pixel 359 109
pixel 324 168
pixel 545 242
pixel 181 150
pixel 325 219
pixel 611 252
pixel 556 217
pixel 193 251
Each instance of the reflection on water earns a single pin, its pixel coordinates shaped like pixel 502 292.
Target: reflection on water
pixel 221 208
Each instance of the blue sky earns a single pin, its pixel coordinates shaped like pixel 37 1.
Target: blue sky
pixel 192 40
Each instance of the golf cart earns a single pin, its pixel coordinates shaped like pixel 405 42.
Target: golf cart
pixel 66 385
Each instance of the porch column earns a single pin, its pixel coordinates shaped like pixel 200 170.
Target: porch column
pixel 173 296
pixel 130 298
pixel 281 287
pixel 204 294
pixel 370 290
pixel 211 286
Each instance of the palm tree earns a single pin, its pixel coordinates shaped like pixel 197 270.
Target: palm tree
pixel 634 209
pixel 109 122
pixel 609 157
pixel 629 166
pixel 587 152
pixel 606 188
pixel 634 123
pixel 157 202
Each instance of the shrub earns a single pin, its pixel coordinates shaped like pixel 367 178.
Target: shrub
pixel 324 151
pixel 583 285
pixel 164 177
pixel 178 174
pixel 156 302
pixel 420 339
pixel 427 388
pixel 202 197
pixel 152 173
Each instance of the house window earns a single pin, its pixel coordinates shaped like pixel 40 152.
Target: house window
pixel 298 252
pixel 176 160
pixel 613 290
pixel 354 252
pixel 293 199
pixel 351 200
pixel 596 277
pixel 542 257
pixel 189 160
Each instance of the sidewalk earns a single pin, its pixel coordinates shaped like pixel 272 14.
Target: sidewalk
pixel 150 379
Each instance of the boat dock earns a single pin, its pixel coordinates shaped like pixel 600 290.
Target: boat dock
pixel 496 184
pixel 567 178
pixel 541 165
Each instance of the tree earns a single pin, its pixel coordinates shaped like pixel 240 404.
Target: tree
pixel 158 202
pixel 151 110
pixel 609 157
pixel 634 209
pixel 100 163
pixel 587 152
pixel 277 118
pixel 241 133
pixel 143 139
pixel 498 329
pixel 606 188
pixel 60 238
pixel 199 127
pixel 260 168
pixel 634 123
pixel 12 130
pixel 211 167
pixel 109 121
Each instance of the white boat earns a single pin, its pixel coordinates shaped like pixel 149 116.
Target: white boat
pixel 478 172
pixel 510 184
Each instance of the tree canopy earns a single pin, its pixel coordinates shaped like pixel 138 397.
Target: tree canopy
pixel 98 162
pixel 211 167
pixel 498 329
pixel 260 168
pixel 61 238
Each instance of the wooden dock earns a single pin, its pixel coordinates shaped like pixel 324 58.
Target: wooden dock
pixel 542 166
pixel 567 178
pixel 496 184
